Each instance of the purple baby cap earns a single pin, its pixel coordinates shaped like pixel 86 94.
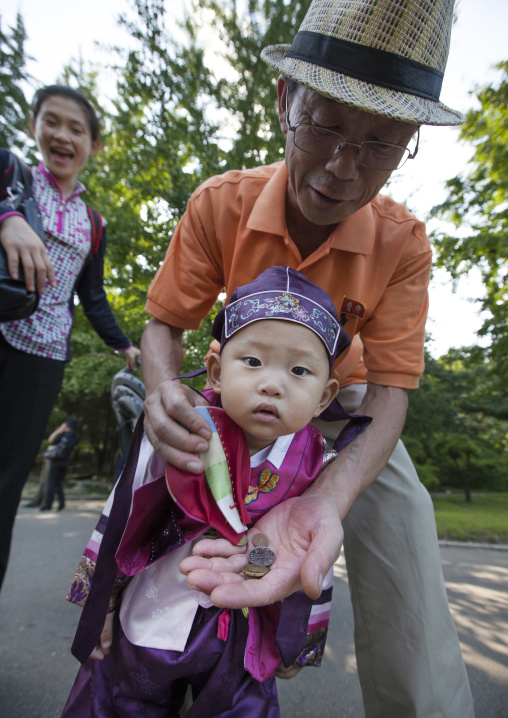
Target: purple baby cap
pixel 285 294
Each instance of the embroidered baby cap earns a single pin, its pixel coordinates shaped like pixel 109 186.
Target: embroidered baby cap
pixel 284 294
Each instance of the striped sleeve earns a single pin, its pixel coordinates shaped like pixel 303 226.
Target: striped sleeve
pixel 80 586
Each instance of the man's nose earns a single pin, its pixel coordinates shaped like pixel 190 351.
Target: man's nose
pixel 345 163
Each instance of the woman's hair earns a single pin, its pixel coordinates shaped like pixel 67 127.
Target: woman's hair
pixel 71 94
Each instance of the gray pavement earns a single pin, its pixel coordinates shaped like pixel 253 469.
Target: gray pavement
pixel 37 625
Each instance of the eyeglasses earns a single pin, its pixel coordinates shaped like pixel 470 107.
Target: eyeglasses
pixel 325 143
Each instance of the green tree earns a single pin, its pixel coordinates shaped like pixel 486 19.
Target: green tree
pixel 246 91
pixel 14 107
pixel 477 206
pixel 457 397
pixel 459 451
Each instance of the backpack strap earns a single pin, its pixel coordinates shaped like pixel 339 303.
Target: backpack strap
pixel 97 227
pixel 19 196
pixel 20 184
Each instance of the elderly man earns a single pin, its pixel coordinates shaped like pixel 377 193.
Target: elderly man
pixel 355 86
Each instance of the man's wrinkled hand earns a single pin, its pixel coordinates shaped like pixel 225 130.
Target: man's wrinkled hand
pixel 306 535
pixel 175 430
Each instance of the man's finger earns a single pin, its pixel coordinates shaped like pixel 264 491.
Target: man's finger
pixel 179 459
pixel 177 406
pixel 274 586
pixel 322 554
pixel 216 547
pixel 205 581
pixel 220 566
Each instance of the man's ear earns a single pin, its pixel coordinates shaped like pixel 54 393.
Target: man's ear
pixel 329 394
pixel 213 369
pixel 282 89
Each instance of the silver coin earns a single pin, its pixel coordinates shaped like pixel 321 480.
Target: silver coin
pixel 261 556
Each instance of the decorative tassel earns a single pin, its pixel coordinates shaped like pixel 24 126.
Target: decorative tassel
pixel 223 627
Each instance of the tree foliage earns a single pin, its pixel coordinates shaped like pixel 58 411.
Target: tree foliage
pixel 14 107
pixel 472 383
pixel 455 399
pixel 175 122
pixel 194 99
pixel 477 206
pixel 246 91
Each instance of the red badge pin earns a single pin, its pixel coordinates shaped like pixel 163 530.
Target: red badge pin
pixel 351 306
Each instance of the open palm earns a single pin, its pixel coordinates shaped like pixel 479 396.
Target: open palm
pixel 306 535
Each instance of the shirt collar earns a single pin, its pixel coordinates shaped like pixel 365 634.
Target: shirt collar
pixel 275 453
pixel 78 189
pixel 354 234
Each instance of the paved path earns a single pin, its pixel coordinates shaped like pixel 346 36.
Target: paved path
pixel 37 625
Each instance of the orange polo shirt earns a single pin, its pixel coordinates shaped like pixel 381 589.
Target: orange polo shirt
pixel 375 266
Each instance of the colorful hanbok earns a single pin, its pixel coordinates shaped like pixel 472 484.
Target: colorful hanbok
pixel 168 636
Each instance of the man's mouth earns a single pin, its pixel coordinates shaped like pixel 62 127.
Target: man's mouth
pixel 327 198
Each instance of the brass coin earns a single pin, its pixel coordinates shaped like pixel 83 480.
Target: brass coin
pixel 243 541
pixel 260 540
pixel 255 571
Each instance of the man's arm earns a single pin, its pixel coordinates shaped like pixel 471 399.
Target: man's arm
pixel 174 429
pixel 306 532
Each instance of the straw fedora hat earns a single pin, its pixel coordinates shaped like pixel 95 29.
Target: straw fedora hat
pixel 383 56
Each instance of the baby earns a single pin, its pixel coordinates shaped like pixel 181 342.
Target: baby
pixel 279 338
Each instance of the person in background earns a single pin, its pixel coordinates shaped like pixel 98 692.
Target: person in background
pixel 43 478
pixel 65 438
pixel 33 351
pixel 354 87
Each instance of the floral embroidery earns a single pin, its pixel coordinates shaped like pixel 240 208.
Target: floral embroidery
pixel 80 587
pixel 314 649
pixel 267 482
pixel 152 592
pixel 285 305
pixel 147 686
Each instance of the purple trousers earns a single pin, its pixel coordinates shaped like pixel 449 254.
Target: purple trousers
pixel 134 681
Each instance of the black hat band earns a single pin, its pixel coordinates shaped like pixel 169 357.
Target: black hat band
pixel 367 64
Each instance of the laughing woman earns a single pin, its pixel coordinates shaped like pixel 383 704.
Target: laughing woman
pixel 33 351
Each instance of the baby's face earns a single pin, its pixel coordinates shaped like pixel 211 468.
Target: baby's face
pixel 274 378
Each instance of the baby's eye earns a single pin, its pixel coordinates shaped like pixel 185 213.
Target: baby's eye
pixel 252 361
pixel 299 371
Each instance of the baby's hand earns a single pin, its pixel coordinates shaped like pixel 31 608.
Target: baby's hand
pixel 286 673
pixel 106 639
